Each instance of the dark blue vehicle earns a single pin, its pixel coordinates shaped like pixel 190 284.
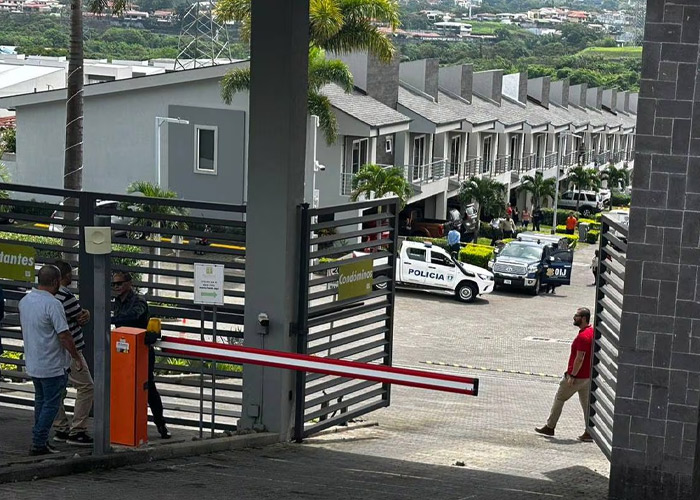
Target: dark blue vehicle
pixel 533 261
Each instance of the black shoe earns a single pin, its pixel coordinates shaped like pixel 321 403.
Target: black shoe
pixel 80 439
pixel 43 450
pixel 163 431
pixel 60 436
pixel 52 449
pixel 545 430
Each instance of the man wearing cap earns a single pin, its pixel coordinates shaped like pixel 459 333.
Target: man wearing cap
pixel 131 309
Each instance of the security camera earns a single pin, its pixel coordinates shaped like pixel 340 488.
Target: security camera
pixel 264 320
pixel 319 166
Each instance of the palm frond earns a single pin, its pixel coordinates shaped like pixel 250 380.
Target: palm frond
pixel 383 11
pixel 233 82
pixel 325 19
pixel 323 72
pixel 360 35
pixel 381 181
pixel 235 10
pixel 320 106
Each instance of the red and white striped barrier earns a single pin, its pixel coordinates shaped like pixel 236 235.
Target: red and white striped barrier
pixel 301 362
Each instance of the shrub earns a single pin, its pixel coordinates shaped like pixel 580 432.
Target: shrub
pixel 573 240
pixel 41 240
pixel 486 231
pixel 561 229
pixel 598 216
pixel 548 216
pixel 592 236
pixel 478 255
pixel 10 355
pixel 620 200
pixel 438 242
pixel 592 224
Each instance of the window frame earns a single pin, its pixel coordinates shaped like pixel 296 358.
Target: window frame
pixel 197 168
pixel 411 250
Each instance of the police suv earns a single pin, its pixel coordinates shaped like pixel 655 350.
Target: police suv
pixel 424 266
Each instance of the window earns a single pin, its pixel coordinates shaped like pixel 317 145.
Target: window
pixel 514 149
pixel 205 152
pixel 455 154
pixel 389 145
pixel 360 150
pixel 440 259
pixel 416 254
pixel 419 150
pixel 566 196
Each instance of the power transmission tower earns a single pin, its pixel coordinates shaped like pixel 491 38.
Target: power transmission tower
pixel 203 41
pixel 638 20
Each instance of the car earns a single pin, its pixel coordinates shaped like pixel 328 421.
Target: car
pixel 532 261
pixel 589 202
pixel 59 215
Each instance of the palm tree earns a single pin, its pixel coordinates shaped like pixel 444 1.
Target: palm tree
pixel 539 187
pixel 582 178
pixel 374 181
pixel 340 26
pixel 616 177
pixel 486 192
pixel 73 154
pixel 321 72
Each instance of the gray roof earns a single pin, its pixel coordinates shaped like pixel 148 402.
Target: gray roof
pixel 362 107
pixel 478 112
pixel 568 115
pixel 598 119
pixel 436 112
pixel 516 112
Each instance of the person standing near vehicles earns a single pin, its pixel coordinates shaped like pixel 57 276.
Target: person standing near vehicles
pixel 507 227
pixel 526 218
pixel 577 376
pixel 509 210
pixel 131 309
pixel 571 222
pixel 594 266
pixel 516 216
pixel 74 432
pixel 495 230
pixel 536 218
pixel 453 238
pixel 48 349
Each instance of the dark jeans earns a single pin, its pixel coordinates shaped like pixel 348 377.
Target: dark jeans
pixel 535 225
pixel 48 393
pixel 455 248
pixel 154 401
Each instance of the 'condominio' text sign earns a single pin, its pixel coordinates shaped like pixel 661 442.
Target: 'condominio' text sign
pixel 355 279
pixel 17 262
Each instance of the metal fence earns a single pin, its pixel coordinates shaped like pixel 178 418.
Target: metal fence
pixel 357 328
pixel 608 316
pixel 158 241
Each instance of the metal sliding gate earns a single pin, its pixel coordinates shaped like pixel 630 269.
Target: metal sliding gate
pixel 158 241
pixel 608 316
pixel 358 328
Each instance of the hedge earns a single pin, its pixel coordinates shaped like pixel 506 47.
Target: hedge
pixel 438 242
pixel 592 224
pixel 478 255
pixel 620 200
pixel 562 214
pixel 592 236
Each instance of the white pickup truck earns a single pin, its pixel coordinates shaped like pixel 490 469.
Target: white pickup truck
pixel 427 267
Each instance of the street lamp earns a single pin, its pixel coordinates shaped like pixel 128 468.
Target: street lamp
pixel 556 177
pixel 160 120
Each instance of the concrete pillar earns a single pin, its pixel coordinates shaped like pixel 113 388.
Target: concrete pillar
pixel 402 150
pixel 442 147
pixel 441 206
pixel 279 53
pixel 656 452
pixel 372 150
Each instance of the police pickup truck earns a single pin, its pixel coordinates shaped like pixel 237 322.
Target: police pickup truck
pixel 532 261
pixel 424 266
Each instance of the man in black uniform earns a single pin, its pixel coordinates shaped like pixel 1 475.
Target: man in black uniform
pixel 131 309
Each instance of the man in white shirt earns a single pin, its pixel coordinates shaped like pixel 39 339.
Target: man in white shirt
pixel 48 349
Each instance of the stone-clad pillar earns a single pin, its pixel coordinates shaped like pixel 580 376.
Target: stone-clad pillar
pixel 655 444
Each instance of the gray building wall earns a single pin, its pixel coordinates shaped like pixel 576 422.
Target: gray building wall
pixel 656 452
pixel 228 184
pixel 119 135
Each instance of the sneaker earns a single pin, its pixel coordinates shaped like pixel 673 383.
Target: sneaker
pixel 547 431
pixel 585 437
pixel 52 449
pixel 164 432
pixel 80 439
pixel 60 436
pixel 35 452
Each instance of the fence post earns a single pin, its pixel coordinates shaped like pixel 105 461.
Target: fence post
pixel 302 313
pixel 86 265
pixel 101 320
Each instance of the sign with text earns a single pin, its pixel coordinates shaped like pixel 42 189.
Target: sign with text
pixel 17 262
pixel 209 284
pixel 355 279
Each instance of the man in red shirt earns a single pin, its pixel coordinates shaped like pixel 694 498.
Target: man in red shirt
pixel 578 374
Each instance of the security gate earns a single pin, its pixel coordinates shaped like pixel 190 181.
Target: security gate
pixel 608 316
pixel 346 307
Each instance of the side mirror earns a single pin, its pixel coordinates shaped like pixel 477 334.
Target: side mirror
pixel 551 259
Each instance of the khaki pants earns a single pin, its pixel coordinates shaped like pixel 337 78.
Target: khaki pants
pixel 82 381
pixel 580 385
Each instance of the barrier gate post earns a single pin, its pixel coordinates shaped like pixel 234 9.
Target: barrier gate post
pixel 129 387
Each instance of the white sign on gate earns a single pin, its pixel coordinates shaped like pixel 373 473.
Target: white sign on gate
pixel 209 284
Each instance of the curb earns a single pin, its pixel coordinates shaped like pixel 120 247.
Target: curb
pixel 53 468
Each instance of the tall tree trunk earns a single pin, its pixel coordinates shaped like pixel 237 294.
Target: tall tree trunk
pixel 73 156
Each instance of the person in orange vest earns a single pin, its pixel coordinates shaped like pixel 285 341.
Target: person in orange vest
pixel 571 222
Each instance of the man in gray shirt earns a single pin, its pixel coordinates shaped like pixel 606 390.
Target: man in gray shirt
pixel 48 349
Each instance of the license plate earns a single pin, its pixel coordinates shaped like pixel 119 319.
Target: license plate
pixel 507 282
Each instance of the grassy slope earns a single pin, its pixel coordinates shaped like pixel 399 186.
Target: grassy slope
pixel 612 52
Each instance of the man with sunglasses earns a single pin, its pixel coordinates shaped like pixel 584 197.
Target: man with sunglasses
pixel 578 374
pixel 131 309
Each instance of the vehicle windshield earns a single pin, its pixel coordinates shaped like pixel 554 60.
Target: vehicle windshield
pixel 527 252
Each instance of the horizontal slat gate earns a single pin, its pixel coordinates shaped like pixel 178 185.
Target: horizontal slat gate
pixel 608 315
pixel 357 329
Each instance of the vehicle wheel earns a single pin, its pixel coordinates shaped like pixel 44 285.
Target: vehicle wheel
pixel 467 292
pixel 586 212
pixel 536 289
